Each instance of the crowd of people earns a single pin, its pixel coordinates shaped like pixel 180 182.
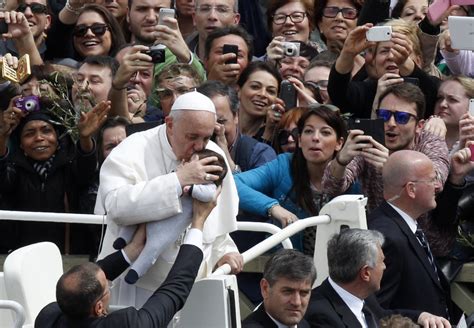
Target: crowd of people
pixel 118 99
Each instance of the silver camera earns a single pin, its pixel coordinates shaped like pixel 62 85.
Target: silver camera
pixel 291 49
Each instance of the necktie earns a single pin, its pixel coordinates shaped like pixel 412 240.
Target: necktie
pixel 369 318
pixel 424 243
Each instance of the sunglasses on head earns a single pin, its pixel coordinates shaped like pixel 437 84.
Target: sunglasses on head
pixel 97 28
pixel 36 8
pixel 400 117
pixel 283 136
pixel 347 13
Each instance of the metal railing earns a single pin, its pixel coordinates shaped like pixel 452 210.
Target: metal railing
pixel 17 308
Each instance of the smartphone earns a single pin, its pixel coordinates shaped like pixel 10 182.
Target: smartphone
pixel 374 128
pixel 412 80
pixel 379 33
pixel 231 48
pixel 437 9
pixel 165 12
pixel 288 94
pixel 471 147
pixel 471 106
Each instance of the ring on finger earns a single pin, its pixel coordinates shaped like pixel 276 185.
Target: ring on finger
pixel 272 107
pixel 207 177
pixel 277 114
pixel 12 116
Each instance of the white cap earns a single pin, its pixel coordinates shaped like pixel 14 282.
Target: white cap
pixel 194 101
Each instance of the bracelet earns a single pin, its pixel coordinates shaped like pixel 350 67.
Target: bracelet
pixel 269 211
pixel 72 10
pixel 338 161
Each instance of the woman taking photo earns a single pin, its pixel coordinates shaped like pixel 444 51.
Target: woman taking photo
pixel 289 187
pixel 260 110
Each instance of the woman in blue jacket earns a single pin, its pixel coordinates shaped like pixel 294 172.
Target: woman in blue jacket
pixel 289 187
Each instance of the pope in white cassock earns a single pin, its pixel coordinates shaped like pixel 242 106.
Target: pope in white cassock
pixel 142 180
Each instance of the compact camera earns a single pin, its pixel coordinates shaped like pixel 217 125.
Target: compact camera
pixel 28 104
pixel 157 53
pixel 291 49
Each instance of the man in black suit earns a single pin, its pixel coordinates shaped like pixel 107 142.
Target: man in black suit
pixel 83 293
pixel 412 279
pixel 286 288
pixel 346 298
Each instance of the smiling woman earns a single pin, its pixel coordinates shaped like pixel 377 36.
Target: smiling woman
pixel 96 32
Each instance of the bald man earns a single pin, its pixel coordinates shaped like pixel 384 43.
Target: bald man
pixel 411 279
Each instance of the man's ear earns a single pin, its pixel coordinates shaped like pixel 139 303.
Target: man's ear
pixel 99 309
pixel 237 19
pixel 364 273
pixel 419 126
pixel 264 288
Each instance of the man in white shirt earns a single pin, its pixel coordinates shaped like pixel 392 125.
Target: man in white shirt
pixel 346 297
pixel 142 181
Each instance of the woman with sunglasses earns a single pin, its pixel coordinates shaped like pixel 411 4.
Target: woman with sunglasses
pixel 287 131
pixel 96 32
pixel 289 187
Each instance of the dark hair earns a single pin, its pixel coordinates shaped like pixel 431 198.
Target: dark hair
pixel 325 58
pixel 350 250
pixel 213 88
pixel 398 8
pixel 78 289
pixel 301 189
pixel 223 31
pixel 220 162
pixel 409 93
pixel 290 264
pixel 111 122
pixel 102 61
pixel 255 67
pixel 172 5
pixel 116 34
pixel 274 5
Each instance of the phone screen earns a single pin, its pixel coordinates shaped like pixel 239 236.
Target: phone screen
pixel 374 128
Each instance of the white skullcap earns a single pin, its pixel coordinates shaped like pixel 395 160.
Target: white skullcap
pixel 194 101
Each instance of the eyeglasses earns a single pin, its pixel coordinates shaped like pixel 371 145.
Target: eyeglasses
pixel 400 117
pixel 347 13
pixel 283 136
pixel 221 10
pixel 321 85
pixel 97 28
pixel 164 93
pixel 433 181
pixel 36 8
pixel 295 17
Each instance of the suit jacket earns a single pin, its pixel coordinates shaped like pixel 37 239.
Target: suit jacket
pixel 160 308
pixel 409 281
pixel 260 319
pixel 327 309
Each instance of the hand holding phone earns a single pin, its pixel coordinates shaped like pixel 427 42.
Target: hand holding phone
pixel 231 48
pixel 471 106
pixel 379 33
pixel 288 94
pixel 165 12
pixel 374 128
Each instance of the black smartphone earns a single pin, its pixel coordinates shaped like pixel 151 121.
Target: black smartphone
pixel 374 128
pixel 231 48
pixel 288 94
pixel 412 80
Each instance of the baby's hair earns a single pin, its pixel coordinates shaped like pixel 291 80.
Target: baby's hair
pixel 220 161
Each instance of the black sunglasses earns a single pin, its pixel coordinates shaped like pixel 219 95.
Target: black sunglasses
pixel 347 13
pixel 400 117
pixel 283 136
pixel 97 28
pixel 36 8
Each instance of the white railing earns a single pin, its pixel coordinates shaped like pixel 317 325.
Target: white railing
pixel 17 308
pixel 275 239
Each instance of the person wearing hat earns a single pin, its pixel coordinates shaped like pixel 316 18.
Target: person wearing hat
pixel 142 180
pixel 42 171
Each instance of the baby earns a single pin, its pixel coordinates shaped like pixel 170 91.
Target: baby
pixel 160 234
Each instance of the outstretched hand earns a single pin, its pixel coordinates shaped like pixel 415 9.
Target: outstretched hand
pixel 90 122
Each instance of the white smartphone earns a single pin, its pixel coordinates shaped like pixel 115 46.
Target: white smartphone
pixel 379 33
pixel 471 106
pixel 462 32
pixel 165 12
